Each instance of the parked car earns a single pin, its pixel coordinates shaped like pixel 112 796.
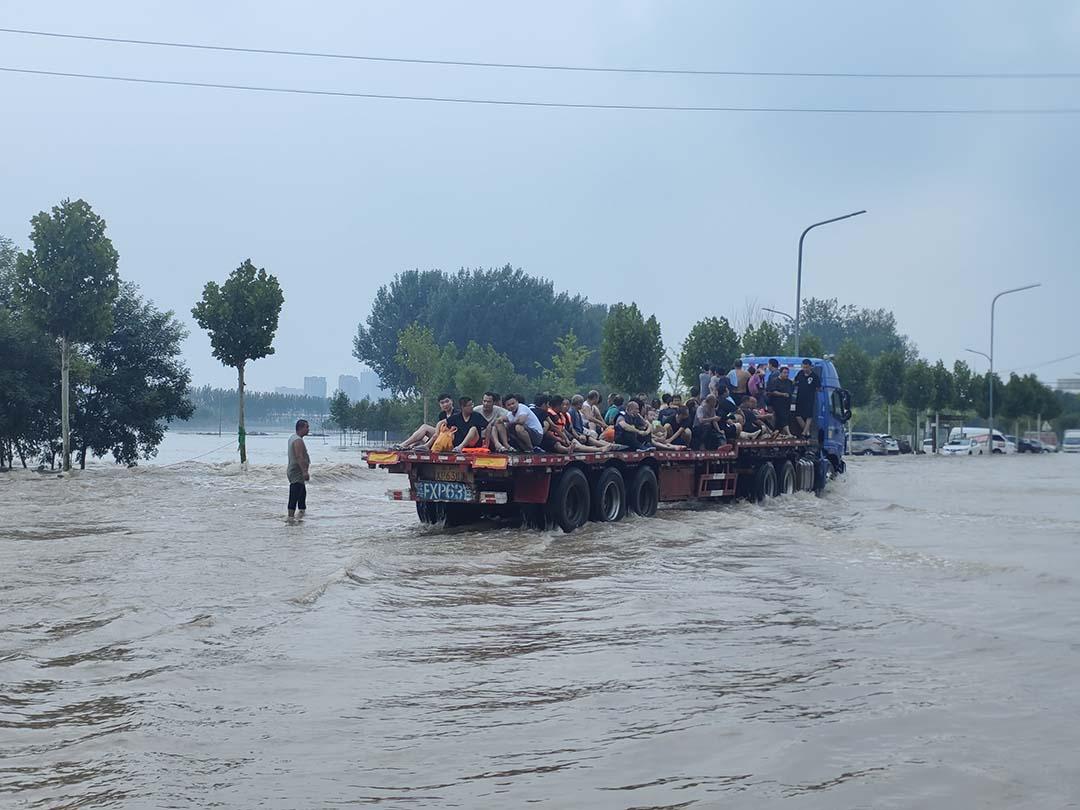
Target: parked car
pixel 1025 445
pixel 962 447
pixel 905 445
pixel 866 444
pixel 892 447
pixel 928 445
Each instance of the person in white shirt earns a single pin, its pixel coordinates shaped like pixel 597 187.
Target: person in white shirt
pixel 495 436
pixel 525 431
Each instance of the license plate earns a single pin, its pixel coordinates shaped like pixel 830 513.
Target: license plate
pixel 448 474
pixel 444 491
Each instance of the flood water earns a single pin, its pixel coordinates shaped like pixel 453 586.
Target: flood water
pixel 908 640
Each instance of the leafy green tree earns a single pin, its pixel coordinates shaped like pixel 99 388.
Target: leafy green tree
pixel 888 380
pixel 241 317
pixel 29 388
pixel 855 369
pixel 711 340
pixel 942 388
pixel 8 255
pixel 874 330
pixel 135 385
pixel 762 340
pixel 523 316
pixel 631 351
pixel 423 358
pixel 497 370
pixel 340 411
pixel 567 363
pixel 963 381
pixel 918 388
pixel 981 394
pixel 67 283
pixel 811 346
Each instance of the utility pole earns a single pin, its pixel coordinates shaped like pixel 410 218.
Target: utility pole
pixel 798 279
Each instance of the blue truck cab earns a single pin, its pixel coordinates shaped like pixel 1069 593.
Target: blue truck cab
pixel 833 408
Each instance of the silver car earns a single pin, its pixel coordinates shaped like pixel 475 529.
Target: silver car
pixel 892 447
pixel 866 444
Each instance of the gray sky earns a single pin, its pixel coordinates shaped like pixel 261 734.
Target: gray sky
pixel 689 214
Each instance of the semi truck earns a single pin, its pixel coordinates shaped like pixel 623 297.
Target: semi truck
pixel 545 490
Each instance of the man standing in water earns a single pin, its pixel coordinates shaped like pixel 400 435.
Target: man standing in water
pixel 297 471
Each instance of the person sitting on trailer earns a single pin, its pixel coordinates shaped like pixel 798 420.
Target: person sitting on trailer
pixel 692 403
pixel 590 411
pixel 681 430
pixel 425 434
pixel 555 439
pixel 573 427
pixel 470 425
pixel 667 411
pixel 707 433
pixel 495 437
pixel 526 432
pixel 779 390
pixel 751 425
pixel 631 429
pixel 615 406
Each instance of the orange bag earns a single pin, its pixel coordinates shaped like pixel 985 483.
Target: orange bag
pixel 609 434
pixel 444 440
pixel 475 451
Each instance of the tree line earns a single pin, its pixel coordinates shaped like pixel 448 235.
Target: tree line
pixel 90 367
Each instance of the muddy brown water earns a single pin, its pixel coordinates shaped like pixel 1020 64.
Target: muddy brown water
pixel 908 640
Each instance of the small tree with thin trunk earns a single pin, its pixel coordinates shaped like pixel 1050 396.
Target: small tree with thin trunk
pixel 241 317
pixel 67 284
pixel 888 380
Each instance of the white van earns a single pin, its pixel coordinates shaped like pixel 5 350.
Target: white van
pixel 1071 441
pixel 1001 444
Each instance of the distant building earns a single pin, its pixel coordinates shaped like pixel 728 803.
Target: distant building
pixel 315 387
pixel 1069 384
pixel 350 386
pixel 291 392
pixel 370 387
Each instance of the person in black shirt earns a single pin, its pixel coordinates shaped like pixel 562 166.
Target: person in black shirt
pixel 807 384
pixel 779 390
pixel 667 413
pixel 631 429
pixel 468 425
pixel 682 428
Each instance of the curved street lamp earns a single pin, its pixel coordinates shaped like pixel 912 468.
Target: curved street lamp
pixel 798 281
pixel 990 357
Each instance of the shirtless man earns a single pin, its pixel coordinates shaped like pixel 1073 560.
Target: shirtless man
pixel 298 470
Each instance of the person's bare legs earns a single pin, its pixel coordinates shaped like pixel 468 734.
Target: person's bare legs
pixel 422 434
pixel 472 439
pixel 521 438
pixel 499 438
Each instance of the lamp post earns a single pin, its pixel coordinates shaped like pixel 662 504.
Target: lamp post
pixel 990 381
pixel 798 281
pixel 778 312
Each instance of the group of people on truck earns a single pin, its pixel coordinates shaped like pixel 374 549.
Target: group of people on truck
pixel 743 404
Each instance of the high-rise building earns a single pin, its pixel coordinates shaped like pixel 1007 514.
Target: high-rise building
pixel 350 386
pixel 315 387
pixel 369 386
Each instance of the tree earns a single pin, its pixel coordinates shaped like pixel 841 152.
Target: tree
pixel 340 410
pixel 942 388
pixel 874 330
pixel 8 255
pixel 67 284
pixel 764 340
pixel 811 346
pixel 711 341
pixel 418 353
pixel 241 317
pixel 567 362
pixel 631 351
pixel 135 383
pixel 981 394
pixel 523 316
pixel 918 388
pixel 963 381
pixel 855 369
pixel 888 380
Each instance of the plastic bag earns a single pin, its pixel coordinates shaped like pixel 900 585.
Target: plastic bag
pixel 444 440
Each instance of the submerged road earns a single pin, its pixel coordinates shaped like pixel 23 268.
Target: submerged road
pixel 910 640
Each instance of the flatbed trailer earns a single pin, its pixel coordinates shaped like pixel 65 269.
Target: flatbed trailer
pixel 547 490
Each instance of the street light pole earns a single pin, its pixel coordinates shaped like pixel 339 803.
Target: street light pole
pixel 798 281
pixel 990 378
pixel 777 312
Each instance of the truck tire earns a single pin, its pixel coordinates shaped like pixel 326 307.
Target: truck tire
pixel 609 496
pixel 428 512
pixel 785 477
pixel 459 514
pixel 570 503
pixel 643 494
pixel 765 484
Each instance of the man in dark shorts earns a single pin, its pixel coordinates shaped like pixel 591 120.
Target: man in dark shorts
pixel 682 432
pixel 470 425
pixel 526 432
pixel 779 390
pixel 707 431
pixel 297 470
pixel 807 384
pixel 631 429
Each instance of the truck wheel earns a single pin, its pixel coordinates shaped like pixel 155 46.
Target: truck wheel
pixel 609 496
pixel 643 494
pixel 428 512
pixel 764 483
pixel 821 474
pixel 460 514
pixel 536 516
pixel 785 476
pixel 569 503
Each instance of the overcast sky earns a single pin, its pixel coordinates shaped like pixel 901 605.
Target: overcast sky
pixel 689 214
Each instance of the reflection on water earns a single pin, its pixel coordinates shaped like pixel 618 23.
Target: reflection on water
pixel 907 641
